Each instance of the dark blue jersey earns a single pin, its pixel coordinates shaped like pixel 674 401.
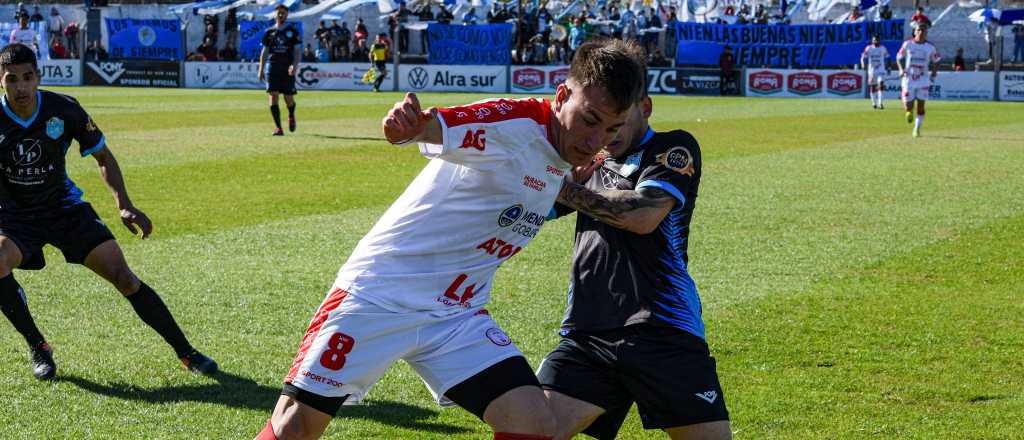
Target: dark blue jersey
pixel 281 44
pixel 620 278
pixel 32 153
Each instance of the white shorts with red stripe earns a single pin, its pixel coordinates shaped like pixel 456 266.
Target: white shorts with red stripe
pixel 351 343
pixel 912 91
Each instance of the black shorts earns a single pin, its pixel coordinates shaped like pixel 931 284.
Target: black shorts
pixel 281 82
pixel 668 372
pixel 75 230
pixel 382 66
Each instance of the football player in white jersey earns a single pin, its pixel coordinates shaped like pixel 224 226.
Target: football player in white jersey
pixel 24 34
pixel 874 59
pixel 918 62
pixel 416 285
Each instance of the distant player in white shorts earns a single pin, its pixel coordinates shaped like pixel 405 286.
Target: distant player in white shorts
pixel 918 62
pixel 874 59
pixel 416 285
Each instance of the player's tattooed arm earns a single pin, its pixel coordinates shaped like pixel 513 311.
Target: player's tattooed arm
pixel 637 211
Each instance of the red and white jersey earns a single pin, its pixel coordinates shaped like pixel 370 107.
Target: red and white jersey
pixel 484 195
pixel 916 57
pixel 875 58
pixel 23 36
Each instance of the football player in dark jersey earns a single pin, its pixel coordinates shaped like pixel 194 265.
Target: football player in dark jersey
pixel 40 205
pixel 282 46
pixel 633 331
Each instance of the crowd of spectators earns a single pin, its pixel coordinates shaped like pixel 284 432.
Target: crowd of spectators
pixel 61 38
pixel 541 38
pixel 538 36
pixel 228 45
pixel 339 43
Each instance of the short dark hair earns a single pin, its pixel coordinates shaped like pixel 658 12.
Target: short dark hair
pixel 613 65
pixel 17 53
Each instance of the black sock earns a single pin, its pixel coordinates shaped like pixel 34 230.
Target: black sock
pixel 153 311
pixel 291 111
pixel 380 80
pixel 16 310
pixel 275 111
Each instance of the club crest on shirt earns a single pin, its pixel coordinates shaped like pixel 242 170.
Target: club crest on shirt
pixel 631 164
pixel 90 126
pixel 55 127
pixel 677 159
pixel 498 337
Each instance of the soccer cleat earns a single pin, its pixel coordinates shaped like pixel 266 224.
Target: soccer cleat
pixel 291 123
pixel 279 132
pixel 197 362
pixel 881 107
pixel 43 366
pixel 874 106
pixel 917 132
pixel 910 118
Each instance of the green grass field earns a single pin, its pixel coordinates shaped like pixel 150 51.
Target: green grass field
pixel 857 283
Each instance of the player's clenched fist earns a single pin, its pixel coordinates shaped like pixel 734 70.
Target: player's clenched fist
pixel 407 121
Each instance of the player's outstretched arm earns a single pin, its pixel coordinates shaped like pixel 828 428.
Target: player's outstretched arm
pixel 637 211
pixel 133 218
pixel 407 122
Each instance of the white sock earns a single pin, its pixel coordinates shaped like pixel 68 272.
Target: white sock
pixel 918 121
pixel 874 101
pixel 879 96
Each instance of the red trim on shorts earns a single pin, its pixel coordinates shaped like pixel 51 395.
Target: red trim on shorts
pixel 332 302
pixel 482 312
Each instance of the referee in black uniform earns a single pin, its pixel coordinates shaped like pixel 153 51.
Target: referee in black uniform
pixel 282 46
